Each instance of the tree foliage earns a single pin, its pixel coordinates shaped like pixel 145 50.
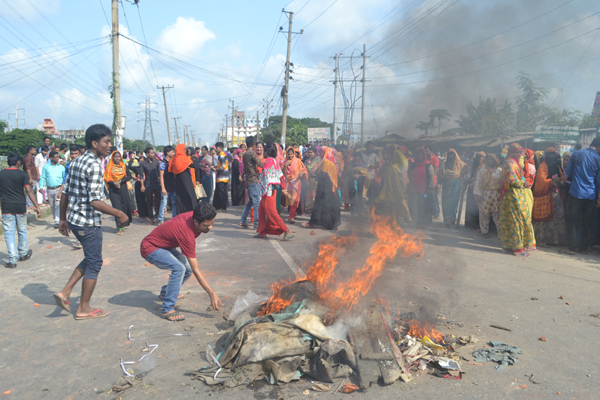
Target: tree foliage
pixel 296 129
pixel 17 140
pixel 486 118
pixel 439 114
pixel 425 126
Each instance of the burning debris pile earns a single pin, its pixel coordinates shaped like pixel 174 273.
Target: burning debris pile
pixel 311 326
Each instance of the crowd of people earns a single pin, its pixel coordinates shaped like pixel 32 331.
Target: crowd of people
pixel 531 199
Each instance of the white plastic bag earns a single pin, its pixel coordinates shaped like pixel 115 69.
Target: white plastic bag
pixel 243 304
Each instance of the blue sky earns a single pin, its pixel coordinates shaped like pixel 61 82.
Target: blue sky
pixel 424 54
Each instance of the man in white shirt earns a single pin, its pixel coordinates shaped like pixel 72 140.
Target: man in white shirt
pixel 40 160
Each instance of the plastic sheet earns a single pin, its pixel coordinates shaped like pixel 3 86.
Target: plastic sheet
pixel 242 304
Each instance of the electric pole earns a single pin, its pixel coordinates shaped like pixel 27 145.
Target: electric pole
pixel 267 107
pixel 176 130
pixel 258 124
pixel 166 111
pixel 364 82
pixel 116 83
pixel 187 135
pixel 16 114
pixel 193 138
pixel 287 80
pixel 226 129
pixel 148 131
pixel 335 90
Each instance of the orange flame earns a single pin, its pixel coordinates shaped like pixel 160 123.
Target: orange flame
pixel 391 239
pixel 419 329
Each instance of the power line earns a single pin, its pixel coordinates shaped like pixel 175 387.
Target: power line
pixel 319 16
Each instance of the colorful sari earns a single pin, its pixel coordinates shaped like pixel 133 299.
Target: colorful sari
pixel 270 179
pixel 451 186
pixel 392 197
pixel 515 232
pixel 422 179
pixel 488 187
pixel 312 168
pixel 293 170
pixel 548 214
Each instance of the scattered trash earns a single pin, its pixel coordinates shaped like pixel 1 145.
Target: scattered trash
pixel 501 327
pixel 349 388
pixel 50 246
pixel 543 339
pixel 534 298
pixel 7 392
pixel 523 386
pixel 151 337
pixel 250 301
pixel 562 297
pixel 306 392
pixel 124 363
pixel 595 315
pixel 313 232
pixel 568 303
pixel 425 287
pixel 472 363
pixel 320 387
pixel 531 379
pixel 500 353
pixel 148 264
pixel 447 363
pixel 36 305
pixel 558 393
pixel 467 339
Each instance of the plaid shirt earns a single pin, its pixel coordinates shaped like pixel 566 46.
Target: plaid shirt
pixel 84 184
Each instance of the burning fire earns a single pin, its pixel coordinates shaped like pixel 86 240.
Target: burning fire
pixel 419 329
pixel 344 295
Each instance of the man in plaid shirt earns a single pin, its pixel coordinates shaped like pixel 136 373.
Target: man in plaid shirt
pixel 82 192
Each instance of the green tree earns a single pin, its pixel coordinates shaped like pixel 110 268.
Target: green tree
pixel 439 114
pixel 486 118
pixel 425 126
pixel 296 129
pixel 3 125
pixel 17 140
pixel 588 121
pixel 530 108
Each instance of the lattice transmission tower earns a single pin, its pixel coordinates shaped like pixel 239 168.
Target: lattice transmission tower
pixel 148 132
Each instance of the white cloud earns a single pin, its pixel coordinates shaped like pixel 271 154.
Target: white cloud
pixel 186 36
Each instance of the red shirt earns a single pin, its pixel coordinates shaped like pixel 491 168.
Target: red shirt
pixel 176 232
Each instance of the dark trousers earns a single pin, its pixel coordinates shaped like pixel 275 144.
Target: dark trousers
pixel 153 198
pixel 90 238
pixel 221 199
pixel 120 200
pixel 207 184
pixel 579 218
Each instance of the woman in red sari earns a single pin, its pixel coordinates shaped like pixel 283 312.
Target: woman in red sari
pixel 271 181
pixel 293 170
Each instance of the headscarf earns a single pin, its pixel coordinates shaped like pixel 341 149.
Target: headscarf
pixel 418 175
pixel 514 151
pixel 529 166
pixel 240 160
pixel 280 158
pixel 114 172
pixel 330 169
pixel 566 153
pixel 477 163
pixel 181 161
pixel 538 157
pixel 488 178
pixel 455 170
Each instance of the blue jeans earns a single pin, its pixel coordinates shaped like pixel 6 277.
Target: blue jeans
pixel 163 205
pixel 253 202
pixel 180 272
pixel 207 184
pixel 90 238
pixel 9 221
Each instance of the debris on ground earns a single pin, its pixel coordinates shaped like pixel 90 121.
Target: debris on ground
pixel 349 388
pixel 543 339
pixel 501 353
pixel 501 327
pixel 320 387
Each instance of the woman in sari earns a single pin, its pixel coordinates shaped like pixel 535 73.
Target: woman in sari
pixel 313 163
pixel 237 183
pixel 548 214
pixel 515 232
pixel 116 176
pixel 185 180
pixel 326 209
pixel 271 183
pixel 421 189
pixel 392 197
pixel 450 173
pixel 471 210
pixel 204 166
pixel 294 171
pixel 528 164
pixel 140 197
pixel 488 193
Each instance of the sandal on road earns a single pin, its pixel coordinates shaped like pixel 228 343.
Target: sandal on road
pixel 567 252
pixel 245 226
pixel 173 316
pixel 97 313
pixel 260 236
pixel 307 225
pixel 64 304
pixel 287 238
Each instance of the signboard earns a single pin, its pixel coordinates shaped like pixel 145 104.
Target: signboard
pixel 596 109
pixel 318 134
pixel 556 134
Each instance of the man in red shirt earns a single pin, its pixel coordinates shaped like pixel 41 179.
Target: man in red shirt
pixel 159 248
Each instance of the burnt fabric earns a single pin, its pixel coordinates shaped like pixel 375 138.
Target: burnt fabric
pixel 335 359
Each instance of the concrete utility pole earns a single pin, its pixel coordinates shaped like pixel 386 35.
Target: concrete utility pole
pixel 364 82
pixel 233 123
pixel 166 111
pixel 116 83
pixel 226 128
pixel 176 130
pixel 187 135
pixel 16 114
pixel 257 125
pixel 287 80
pixel 335 90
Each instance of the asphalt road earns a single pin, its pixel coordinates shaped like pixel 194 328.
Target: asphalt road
pixel 463 281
